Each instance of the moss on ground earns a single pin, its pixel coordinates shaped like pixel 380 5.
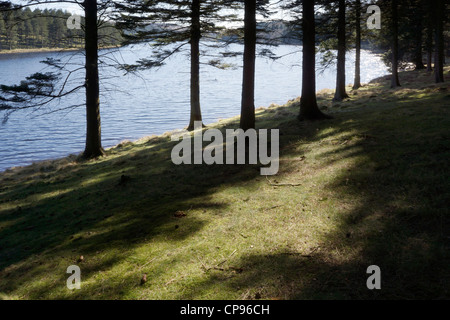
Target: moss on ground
pixel 369 187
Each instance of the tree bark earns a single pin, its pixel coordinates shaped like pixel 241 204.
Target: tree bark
pixel 340 93
pixel 196 114
pixel 429 40
pixel 439 41
pixel 308 103
pixel 248 79
pixel 429 60
pixel 418 56
pixel 357 81
pixel 93 134
pixel 395 82
pixel 430 49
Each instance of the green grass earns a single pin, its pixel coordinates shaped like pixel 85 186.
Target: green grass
pixel 369 187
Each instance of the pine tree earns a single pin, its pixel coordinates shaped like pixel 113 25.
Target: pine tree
pixel 168 23
pixel 341 93
pixel 357 9
pixel 40 89
pixel 93 134
pixel 309 109
pixel 247 120
pixel 439 10
pixel 2 31
pixel 395 82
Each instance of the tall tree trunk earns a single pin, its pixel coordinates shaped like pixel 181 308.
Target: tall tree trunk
pixel 196 114
pixel 340 76
pixel 248 78
pixel 93 135
pixel 439 41
pixel 357 82
pixel 308 103
pixel 418 56
pixel 395 82
pixel 429 47
pixel 429 60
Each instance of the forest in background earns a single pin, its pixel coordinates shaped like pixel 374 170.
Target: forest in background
pixel 366 186
pixel 35 29
pixel 412 29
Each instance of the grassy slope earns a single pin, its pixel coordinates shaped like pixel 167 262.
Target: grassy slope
pixel 369 187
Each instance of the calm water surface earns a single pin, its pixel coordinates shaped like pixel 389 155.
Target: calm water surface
pixel 154 102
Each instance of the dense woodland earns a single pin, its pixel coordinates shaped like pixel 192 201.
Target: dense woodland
pixel 34 28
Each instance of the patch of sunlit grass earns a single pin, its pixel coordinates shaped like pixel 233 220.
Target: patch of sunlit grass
pixel 368 187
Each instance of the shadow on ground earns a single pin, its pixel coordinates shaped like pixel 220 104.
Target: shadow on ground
pixel 398 220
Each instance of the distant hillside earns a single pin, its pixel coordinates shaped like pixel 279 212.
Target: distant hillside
pixel 35 29
pixel 270 32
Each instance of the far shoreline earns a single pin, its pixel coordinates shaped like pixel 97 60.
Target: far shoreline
pixel 37 50
pixel 49 50
pixel 160 134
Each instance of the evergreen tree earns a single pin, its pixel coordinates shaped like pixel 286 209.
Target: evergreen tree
pixel 439 10
pixel 26 28
pixel 357 10
pixel 341 93
pixel 251 8
pixel 168 23
pixel 247 120
pixel 395 82
pixel 40 89
pixel 417 8
pixel 2 31
pixel 309 109
pixel 93 134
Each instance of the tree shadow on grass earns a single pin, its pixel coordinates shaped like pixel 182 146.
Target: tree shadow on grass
pixel 396 188
pixel 396 216
pixel 65 209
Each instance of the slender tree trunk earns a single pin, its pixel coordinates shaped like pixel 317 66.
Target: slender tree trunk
pixel 308 103
pixel 93 135
pixel 357 82
pixel 248 78
pixel 430 48
pixel 430 28
pixel 395 82
pixel 429 60
pixel 418 56
pixel 196 114
pixel 439 42
pixel 340 76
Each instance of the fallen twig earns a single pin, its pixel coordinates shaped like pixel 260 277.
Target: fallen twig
pixel 141 267
pixel 217 266
pixel 283 184
pixel 173 280
pixel 222 262
pixel 203 265
pixel 273 207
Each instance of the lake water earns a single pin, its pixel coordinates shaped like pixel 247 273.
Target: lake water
pixel 154 102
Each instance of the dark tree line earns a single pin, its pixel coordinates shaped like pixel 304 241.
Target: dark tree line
pixel 30 29
pixel 416 35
